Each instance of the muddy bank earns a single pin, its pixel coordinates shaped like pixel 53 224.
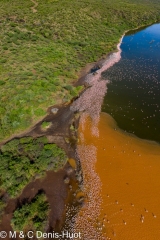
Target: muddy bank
pixel 56 185
pixel 56 192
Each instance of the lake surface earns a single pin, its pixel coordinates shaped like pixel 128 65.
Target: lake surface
pixel 121 179
pixel 133 96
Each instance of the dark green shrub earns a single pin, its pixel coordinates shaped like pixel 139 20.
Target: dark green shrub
pixel 31 216
pixel 5 48
pixel 21 159
pixel 3 60
pixel 2 82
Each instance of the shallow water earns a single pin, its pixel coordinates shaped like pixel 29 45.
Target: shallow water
pixel 128 168
pixel 133 95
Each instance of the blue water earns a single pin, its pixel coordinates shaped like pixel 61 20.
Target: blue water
pixel 133 96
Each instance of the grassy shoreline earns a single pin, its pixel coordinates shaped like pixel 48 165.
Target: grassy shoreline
pixel 81 75
pixel 43 52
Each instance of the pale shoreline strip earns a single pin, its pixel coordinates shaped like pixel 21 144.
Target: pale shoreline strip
pixel 90 103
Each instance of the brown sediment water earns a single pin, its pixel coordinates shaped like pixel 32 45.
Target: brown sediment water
pixel 124 180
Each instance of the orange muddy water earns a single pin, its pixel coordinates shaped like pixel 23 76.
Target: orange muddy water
pixel 129 171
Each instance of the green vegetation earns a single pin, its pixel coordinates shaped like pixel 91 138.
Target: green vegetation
pixel 42 52
pixel 45 125
pixel 23 160
pixel 31 216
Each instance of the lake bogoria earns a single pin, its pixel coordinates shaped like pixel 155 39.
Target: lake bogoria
pixel 121 171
